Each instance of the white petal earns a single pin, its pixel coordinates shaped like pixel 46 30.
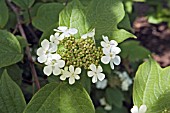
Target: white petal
pixel 90 73
pixel 56 35
pixel 142 109
pixel 62 77
pixel 99 69
pixel 105 59
pixel 66 34
pixel 93 67
pixel 45 44
pixel 52 38
pixel 56 71
pixel 101 84
pixel 103 44
pixel 78 70
pixel 56 56
pixel 71 69
pixel 47 70
pixel 77 77
pixel 91 34
pixel 61 37
pixel 61 63
pixel 113 42
pixel 111 65
pixel 71 80
pixel 117 60
pixel 115 50
pixel 105 38
pixel 42 58
pixel 40 51
pixel 62 28
pixel 106 51
pixel 94 79
pixel 72 31
pixel 134 109
pixel 52 47
pixel 100 76
pixel 84 36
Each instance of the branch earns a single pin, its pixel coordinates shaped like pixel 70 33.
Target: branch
pixel 28 53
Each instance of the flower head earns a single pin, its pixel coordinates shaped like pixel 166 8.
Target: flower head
pixel 142 109
pixel 54 63
pixel 46 50
pixel 111 56
pixel 96 73
pixel 73 74
pixel 65 31
pixel 108 44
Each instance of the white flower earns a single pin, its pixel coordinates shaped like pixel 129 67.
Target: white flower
pixel 125 84
pixel 101 84
pixel 65 73
pixel 126 80
pixel 90 34
pixel 73 74
pixel 142 109
pixel 96 73
pixel 106 105
pixel 45 51
pixel 54 63
pixel 56 38
pixel 111 56
pixel 65 31
pixel 108 44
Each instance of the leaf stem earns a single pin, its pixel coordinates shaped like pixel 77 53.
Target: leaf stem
pixel 28 53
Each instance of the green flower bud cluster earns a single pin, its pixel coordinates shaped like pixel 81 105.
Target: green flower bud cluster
pixel 79 52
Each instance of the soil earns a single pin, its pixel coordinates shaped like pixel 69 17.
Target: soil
pixel 156 38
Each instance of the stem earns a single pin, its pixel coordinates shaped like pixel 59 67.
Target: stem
pixel 28 53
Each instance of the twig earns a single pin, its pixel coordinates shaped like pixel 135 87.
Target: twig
pixel 33 71
pixel 66 2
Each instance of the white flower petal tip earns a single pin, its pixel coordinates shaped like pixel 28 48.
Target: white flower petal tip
pixel 96 73
pixel 89 34
pixel 142 109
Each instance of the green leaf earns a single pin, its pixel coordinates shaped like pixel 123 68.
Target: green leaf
pixel 73 16
pixel 133 51
pixel 104 16
pixel 60 98
pixel 114 97
pixel 48 32
pixel 12 21
pixel 10 50
pixel 3 13
pixel 85 81
pixel 151 87
pixel 11 97
pixel 100 110
pixel 14 72
pixel 125 23
pixel 24 4
pixel 47 16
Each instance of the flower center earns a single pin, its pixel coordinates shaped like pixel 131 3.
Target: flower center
pixel 79 52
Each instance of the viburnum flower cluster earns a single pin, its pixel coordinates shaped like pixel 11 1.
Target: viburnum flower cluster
pixel 65 55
